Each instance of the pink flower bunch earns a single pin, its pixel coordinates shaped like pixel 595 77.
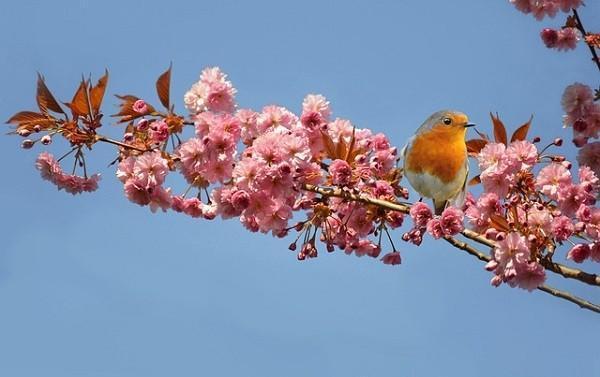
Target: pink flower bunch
pixel 499 165
pixel 542 8
pixel 213 92
pixel 449 223
pixel 512 263
pixel 526 213
pixel 210 156
pixel 50 170
pixel 581 113
pixel 562 39
pixel 142 177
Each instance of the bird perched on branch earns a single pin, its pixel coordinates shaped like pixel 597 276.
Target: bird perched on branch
pixel 435 159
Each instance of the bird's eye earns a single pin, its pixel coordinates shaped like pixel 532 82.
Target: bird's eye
pixel 447 121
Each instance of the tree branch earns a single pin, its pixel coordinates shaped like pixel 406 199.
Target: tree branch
pixel 562 270
pixel 584 33
pixel 544 288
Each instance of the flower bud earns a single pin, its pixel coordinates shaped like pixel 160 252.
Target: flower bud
pixel 491 233
pixel 500 236
pixel 549 37
pixel 128 137
pixel 37 128
pixel 330 248
pixel 558 142
pixel 27 144
pixel 580 125
pixel 292 246
pixel 46 139
pixel 537 139
pixel 24 132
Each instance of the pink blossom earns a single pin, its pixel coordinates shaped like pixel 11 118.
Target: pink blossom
pixel 213 92
pixel 275 118
pixel 159 131
pixel 497 182
pixel 530 276
pixel 567 39
pixel 366 247
pixel 150 169
pixel 539 219
pixel 434 227
pixel 451 221
pixel 160 199
pixel 140 106
pixel 570 197
pixel 318 104
pixel 589 155
pixel 524 152
pixel 479 213
pixel 511 252
pixel 247 119
pixel 392 258
pixel 577 100
pixel 420 214
pixel 549 37
pixel 579 253
pixel 551 178
pixel 562 228
pixel 341 172
pixel 50 170
pixel 191 206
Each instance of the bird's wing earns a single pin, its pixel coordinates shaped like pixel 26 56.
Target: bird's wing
pixel 460 198
pixel 406 146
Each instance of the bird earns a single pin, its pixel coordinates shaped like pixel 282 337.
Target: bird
pixel 435 159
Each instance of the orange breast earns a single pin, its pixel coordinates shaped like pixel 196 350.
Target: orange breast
pixel 440 152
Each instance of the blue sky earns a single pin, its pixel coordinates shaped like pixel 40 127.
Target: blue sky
pixel 95 286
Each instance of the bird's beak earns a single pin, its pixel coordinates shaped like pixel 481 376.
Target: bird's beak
pixel 469 125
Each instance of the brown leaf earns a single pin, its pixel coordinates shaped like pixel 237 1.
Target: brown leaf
pixel 97 92
pixel 348 153
pixel 499 129
pixel 474 146
pixel 571 22
pixel 329 145
pixel 341 149
pixel 80 105
pixel 499 222
pixel 26 116
pixel 521 132
pixel 474 181
pixel 126 112
pixel 45 99
pixel 163 86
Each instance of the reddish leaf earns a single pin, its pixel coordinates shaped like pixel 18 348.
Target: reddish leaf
pixel 45 99
pixel 499 130
pixel 499 222
pixel 26 116
pixel 348 153
pixel 329 145
pixel 162 87
pixel 126 112
pixel 521 132
pixel 97 92
pixel 80 105
pixel 475 146
pixel 341 149
pixel 481 135
pixel 474 181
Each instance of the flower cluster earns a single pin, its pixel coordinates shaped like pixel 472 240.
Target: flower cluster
pixel 562 39
pixel 582 114
pixel 51 171
pixel 142 177
pixel 542 8
pixel 213 92
pixel 529 214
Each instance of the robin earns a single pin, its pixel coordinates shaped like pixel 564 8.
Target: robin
pixel 435 159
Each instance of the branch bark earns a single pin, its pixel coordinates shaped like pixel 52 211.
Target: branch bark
pixel 562 270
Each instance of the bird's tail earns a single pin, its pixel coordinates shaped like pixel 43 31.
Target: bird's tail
pixel 440 206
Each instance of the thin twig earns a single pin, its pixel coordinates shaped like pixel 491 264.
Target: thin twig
pixel 544 288
pixel 567 272
pixel 582 30
pixel 115 142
